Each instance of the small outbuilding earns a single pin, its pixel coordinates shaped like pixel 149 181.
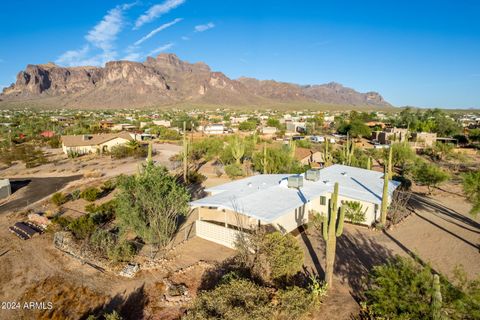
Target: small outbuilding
pixel 5 188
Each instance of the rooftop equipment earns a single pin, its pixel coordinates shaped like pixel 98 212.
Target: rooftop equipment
pixel 295 181
pixel 312 175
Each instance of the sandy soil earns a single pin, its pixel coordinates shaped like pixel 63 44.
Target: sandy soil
pixel 440 232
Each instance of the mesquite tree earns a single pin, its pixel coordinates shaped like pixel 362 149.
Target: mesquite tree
pixel 332 228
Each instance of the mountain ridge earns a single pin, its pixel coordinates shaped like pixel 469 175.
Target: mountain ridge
pixel 167 80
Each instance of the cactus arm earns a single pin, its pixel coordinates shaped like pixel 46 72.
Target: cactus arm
pixel 436 299
pixel 340 221
pixel 383 213
pixel 390 158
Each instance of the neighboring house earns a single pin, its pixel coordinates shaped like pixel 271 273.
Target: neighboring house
pixel 296 127
pixel 123 127
pixel 47 134
pixel 271 200
pixel 216 128
pixel 163 123
pixel 94 143
pixel 309 157
pixel 269 131
pixel 423 139
pixel 106 124
pixel 390 135
pixel 5 188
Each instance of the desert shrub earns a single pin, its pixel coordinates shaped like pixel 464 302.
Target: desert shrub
pixel 247 126
pixel 82 227
pixel 279 160
pixel 403 289
pixel 238 299
pixel 123 251
pixel 234 170
pixel 55 142
pixel 295 303
pixel 102 213
pixel 270 256
pixel 75 194
pixel 428 174
pixel 208 149
pixel 108 186
pixel 195 177
pixel 102 241
pixel 471 188
pixel 303 143
pixel 90 194
pixel 123 151
pixel 58 198
pixel 62 221
pixel 354 212
pixel 72 154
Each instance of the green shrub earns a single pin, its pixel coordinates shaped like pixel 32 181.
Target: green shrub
pixel 295 303
pixel 90 194
pixel 195 177
pixel 123 251
pixel 354 212
pixel 238 299
pixel 75 194
pixel 59 198
pixel 82 227
pixel 62 221
pixel 403 289
pixel 234 170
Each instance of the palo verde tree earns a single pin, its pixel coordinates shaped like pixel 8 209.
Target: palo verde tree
pixel 331 229
pixel 471 187
pixel 150 204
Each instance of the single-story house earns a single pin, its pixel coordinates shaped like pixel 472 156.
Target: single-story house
pixel 93 143
pixel 5 188
pixel 274 200
pixel 269 131
pixel 309 157
pixel 216 128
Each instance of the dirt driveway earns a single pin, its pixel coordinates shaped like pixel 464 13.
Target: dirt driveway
pixel 26 191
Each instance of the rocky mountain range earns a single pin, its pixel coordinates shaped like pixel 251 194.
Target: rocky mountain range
pixel 167 81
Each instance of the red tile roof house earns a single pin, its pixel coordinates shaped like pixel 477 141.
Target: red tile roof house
pixel 47 134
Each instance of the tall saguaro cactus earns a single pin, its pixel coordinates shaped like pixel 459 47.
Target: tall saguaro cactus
pixel 348 151
pixel 185 152
pixel 332 228
pixel 238 149
pixel 436 299
pixel 327 157
pixel 264 160
pixel 390 160
pixel 149 154
pixel 384 207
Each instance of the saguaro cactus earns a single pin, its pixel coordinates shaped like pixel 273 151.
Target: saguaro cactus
pixel 348 151
pixel 264 160
pixel 149 154
pixel 327 157
pixel 384 207
pixel 436 299
pixel 390 160
pixel 185 152
pixel 238 149
pixel 332 228
pixel 369 163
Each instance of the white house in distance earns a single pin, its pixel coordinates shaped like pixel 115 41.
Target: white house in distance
pixel 284 201
pixel 93 143
pixel 215 128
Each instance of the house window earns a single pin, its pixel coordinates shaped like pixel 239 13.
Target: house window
pixel 323 201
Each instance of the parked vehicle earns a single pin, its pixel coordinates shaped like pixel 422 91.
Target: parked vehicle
pixel 317 139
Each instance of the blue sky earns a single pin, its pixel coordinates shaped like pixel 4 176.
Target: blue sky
pixel 420 53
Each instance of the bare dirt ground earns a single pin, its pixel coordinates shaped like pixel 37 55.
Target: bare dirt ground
pixel 60 165
pixel 440 232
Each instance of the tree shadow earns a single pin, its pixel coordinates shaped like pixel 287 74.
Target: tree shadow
pixel 423 203
pixel 313 255
pixel 356 256
pixel 129 307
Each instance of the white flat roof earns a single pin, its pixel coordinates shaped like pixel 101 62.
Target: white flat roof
pixel 4 183
pixel 266 197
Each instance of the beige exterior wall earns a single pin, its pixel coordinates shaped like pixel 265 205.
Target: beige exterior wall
pixel 107 146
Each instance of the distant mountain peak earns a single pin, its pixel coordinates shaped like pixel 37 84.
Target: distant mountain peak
pixel 166 80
